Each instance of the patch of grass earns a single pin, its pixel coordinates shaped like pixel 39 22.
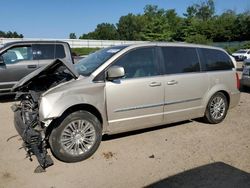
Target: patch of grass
pixel 83 51
pixel 231 50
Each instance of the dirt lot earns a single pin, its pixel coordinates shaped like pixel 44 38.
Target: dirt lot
pixel 188 154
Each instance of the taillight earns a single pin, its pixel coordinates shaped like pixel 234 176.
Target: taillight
pixel 237 80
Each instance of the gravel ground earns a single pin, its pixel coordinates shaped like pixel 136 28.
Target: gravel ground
pixel 188 154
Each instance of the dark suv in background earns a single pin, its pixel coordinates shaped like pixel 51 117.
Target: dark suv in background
pixel 17 59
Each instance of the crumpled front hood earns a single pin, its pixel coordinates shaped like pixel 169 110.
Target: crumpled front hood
pixel 44 70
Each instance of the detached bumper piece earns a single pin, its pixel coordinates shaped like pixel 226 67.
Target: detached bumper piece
pixel 34 144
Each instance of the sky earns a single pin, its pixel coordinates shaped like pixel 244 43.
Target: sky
pixel 57 18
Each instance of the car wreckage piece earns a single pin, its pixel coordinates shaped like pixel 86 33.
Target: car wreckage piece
pixel 26 113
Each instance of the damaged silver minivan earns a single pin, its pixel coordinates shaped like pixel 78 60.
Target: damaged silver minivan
pixel 68 108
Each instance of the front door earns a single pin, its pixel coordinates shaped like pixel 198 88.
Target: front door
pixel 18 62
pixel 136 101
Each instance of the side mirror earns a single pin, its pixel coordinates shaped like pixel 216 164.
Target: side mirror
pixel 1 60
pixel 115 72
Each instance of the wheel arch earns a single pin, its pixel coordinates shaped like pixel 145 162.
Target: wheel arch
pixel 226 94
pixel 218 88
pixel 86 107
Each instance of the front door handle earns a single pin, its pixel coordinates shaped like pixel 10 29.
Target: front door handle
pixel 32 66
pixel 172 82
pixel 155 84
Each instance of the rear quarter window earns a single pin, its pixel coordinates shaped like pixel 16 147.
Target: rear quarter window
pixel 215 60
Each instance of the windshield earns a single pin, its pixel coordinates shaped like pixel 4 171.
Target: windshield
pixel 241 52
pixel 89 64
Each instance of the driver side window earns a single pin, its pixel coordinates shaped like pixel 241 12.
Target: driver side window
pixel 16 54
pixel 139 63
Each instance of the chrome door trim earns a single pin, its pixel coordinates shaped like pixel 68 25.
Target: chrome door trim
pixel 138 107
pixel 182 101
pixel 154 105
pixel 135 117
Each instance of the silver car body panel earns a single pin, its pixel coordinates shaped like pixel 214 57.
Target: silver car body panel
pixel 76 92
pixel 130 104
pixel 134 103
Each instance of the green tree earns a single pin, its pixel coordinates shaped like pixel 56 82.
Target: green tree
pixel 157 27
pixel 242 25
pixel 72 36
pixel 199 25
pixel 198 39
pixel 90 35
pixel 103 31
pixel 106 31
pixel 10 34
pixel 204 11
pixel 224 27
pixel 176 24
pixel 130 27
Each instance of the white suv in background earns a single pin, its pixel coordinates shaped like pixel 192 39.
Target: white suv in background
pixel 242 54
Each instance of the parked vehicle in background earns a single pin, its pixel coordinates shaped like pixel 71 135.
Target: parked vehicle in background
pixel 119 89
pixel 245 80
pixel 241 55
pixel 234 61
pixel 245 62
pixel 18 59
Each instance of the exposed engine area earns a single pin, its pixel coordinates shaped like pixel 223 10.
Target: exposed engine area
pixel 31 131
pixel 52 77
pixel 26 112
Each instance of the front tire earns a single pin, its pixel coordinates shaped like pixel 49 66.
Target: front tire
pixel 77 137
pixel 217 107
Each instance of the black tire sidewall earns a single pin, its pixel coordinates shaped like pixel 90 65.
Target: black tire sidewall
pixel 54 138
pixel 208 115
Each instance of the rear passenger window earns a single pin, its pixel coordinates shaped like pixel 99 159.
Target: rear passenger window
pixel 180 60
pixel 48 51
pixel 215 60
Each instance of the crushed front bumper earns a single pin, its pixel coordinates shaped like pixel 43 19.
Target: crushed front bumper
pixel 33 140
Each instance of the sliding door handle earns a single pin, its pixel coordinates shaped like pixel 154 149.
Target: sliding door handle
pixel 172 82
pixel 155 84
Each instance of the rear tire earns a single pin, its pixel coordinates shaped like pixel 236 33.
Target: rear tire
pixel 217 107
pixel 76 138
